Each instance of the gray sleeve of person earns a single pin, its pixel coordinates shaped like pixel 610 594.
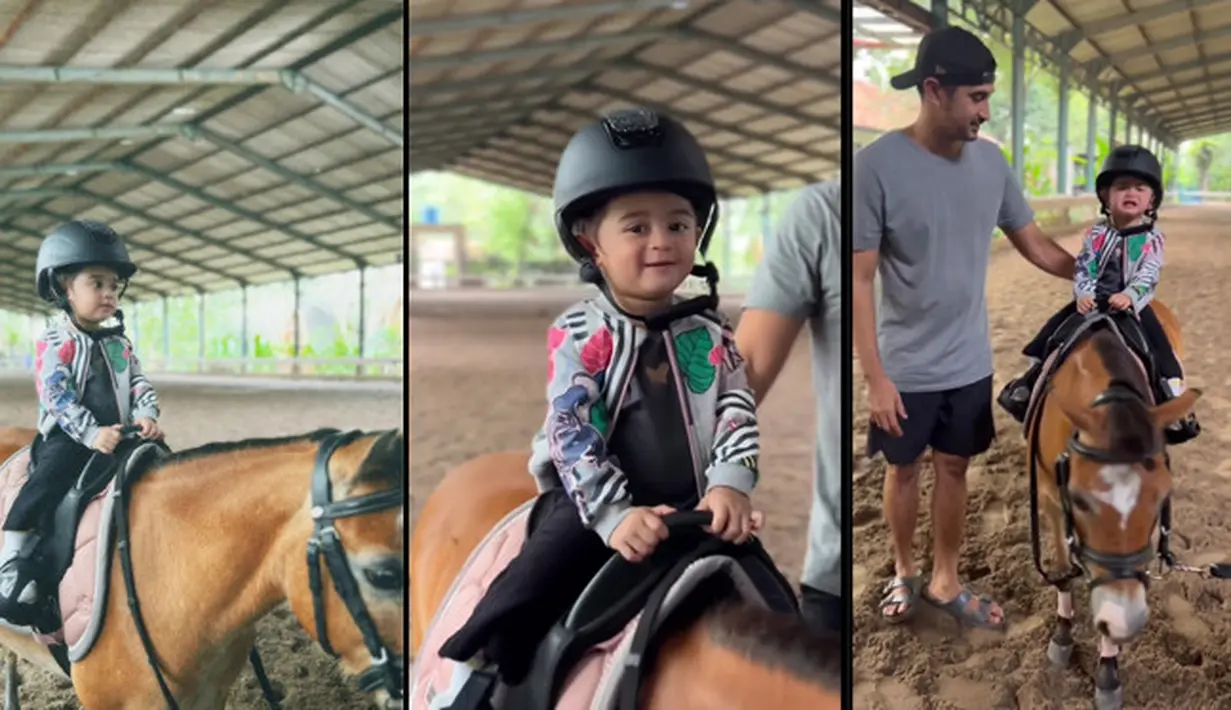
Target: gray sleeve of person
pixel 1015 211
pixel 868 203
pixel 788 279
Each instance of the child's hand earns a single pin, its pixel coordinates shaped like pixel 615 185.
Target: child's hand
pixel 1120 302
pixel 734 518
pixel 640 532
pixel 1085 304
pixel 106 439
pixel 149 428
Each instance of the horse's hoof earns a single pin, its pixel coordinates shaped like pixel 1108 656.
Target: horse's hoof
pixel 1109 699
pixel 1059 655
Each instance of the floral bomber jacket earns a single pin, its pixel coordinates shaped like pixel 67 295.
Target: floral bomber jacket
pixel 1142 263
pixel 62 364
pixel 592 352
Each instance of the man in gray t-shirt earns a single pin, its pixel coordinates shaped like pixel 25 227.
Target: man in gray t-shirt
pixel 926 201
pixel 799 280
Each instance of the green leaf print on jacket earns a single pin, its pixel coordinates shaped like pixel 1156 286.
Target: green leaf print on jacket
pixel 1136 244
pixel 117 353
pixel 693 353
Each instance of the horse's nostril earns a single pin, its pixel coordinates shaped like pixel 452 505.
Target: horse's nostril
pixel 1102 628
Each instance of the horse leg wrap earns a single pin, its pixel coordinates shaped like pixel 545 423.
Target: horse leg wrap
pixel 1108 692
pixel 1060 647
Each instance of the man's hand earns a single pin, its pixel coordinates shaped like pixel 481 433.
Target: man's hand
pixel 885 405
pixel 640 532
pixel 1085 304
pixel 1120 302
pixel 149 428
pixel 107 439
pixel 734 519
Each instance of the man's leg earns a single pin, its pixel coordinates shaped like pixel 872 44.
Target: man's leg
pixel 901 491
pixel 821 581
pixel 966 429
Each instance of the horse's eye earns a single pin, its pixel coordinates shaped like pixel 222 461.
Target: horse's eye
pixel 387 577
pixel 1081 504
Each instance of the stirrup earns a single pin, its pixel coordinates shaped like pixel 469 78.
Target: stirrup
pixel 17 612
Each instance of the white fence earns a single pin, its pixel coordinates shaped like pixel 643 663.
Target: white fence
pixel 314 367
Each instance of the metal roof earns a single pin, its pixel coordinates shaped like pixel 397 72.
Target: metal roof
pixel 230 143
pixel 1169 63
pixel 497 90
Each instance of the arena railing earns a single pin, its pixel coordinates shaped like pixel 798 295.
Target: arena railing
pixel 306 367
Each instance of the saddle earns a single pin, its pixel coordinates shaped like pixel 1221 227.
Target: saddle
pixel 621 591
pixel 1074 330
pixel 50 551
pixel 595 656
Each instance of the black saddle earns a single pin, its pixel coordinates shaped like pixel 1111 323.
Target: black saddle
pixel 1077 327
pixel 620 591
pixel 49 552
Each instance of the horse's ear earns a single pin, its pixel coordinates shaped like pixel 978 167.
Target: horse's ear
pixel 1173 410
pixel 386 460
pixel 1084 418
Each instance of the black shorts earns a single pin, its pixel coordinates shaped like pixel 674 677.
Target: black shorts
pixel 956 421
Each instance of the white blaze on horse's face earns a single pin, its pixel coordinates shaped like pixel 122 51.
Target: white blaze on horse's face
pixel 1123 489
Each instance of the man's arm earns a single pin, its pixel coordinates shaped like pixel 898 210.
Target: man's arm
pixel 787 287
pixel 863 312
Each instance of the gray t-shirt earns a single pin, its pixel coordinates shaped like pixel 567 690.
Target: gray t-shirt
pixel 932 219
pixel 800 277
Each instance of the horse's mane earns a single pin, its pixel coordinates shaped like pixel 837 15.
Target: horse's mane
pixel 226 447
pixel 764 637
pixel 1130 427
pixel 778 640
pixel 385 464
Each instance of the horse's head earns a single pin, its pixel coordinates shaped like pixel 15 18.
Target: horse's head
pixel 1113 478
pixel 353 598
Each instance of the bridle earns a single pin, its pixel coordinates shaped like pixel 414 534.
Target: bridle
pixel 1118 566
pixel 385 670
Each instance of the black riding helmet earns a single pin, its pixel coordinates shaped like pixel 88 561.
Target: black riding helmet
pixel 630 150
pixel 1134 160
pixel 76 245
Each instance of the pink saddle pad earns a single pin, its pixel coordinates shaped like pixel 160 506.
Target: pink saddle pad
pixel 84 583
pixel 431 673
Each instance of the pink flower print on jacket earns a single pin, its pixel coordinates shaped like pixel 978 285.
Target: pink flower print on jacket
pixel 555 336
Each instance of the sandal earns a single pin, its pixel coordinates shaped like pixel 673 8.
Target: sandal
pixel 902 592
pixel 959 608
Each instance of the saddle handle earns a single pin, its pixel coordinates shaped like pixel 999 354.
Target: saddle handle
pixel 688 519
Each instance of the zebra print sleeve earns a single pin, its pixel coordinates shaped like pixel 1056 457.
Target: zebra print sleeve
pixel 1145 280
pixel 737 448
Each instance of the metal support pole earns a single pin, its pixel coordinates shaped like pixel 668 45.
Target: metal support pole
pixel 166 335
pixel 940 14
pixel 243 327
pixel 1091 127
pixel 1128 127
pixel 1019 97
pixel 1111 131
pixel 295 351
pixel 767 226
pixel 200 331
pixel 136 326
pixel 1062 140
pixel 363 315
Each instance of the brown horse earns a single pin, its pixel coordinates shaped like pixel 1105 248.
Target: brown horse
pixel 731 656
pixel 220 537
pixel 1103 483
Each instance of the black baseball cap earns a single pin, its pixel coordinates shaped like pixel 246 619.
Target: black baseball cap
pixel 954 57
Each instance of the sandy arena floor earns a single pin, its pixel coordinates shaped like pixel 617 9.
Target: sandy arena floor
pixel 223 410
pixel 1183 659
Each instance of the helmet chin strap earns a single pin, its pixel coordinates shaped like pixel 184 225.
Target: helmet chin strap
pixel 663 318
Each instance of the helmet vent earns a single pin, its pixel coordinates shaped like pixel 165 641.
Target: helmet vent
pixel 633 128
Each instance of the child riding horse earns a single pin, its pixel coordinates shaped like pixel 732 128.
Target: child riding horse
pixel 89 384
pixel 648 408
pixel 1120 262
